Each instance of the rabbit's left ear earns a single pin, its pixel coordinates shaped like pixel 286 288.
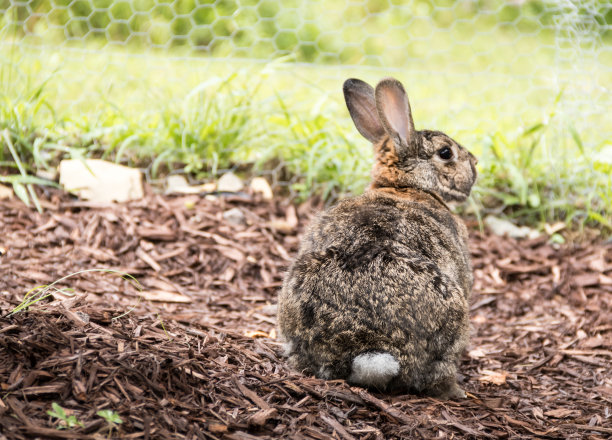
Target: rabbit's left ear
pixel 395 114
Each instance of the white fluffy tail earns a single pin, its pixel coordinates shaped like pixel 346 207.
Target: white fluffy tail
pixel 374 369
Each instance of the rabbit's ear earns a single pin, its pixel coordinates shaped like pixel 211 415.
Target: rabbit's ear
pixel 395 114
pixel 359 97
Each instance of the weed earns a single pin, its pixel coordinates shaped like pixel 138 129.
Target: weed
pixel 66 421
pixel 39 293
pixel 211 129
pixel 112 419
pixel 161 322
pixel 519 177
pixel 25 146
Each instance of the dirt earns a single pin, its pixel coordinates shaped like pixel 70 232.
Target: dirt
pixel 192 352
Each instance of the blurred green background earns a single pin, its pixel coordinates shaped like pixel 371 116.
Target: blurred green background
pixel 200 87
pixel 314 31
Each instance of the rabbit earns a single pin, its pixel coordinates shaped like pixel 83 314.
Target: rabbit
pixel 378 294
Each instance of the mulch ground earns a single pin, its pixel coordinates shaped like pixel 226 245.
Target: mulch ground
pixel 196 356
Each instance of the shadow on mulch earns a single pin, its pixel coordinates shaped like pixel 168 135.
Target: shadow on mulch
pixel 197 357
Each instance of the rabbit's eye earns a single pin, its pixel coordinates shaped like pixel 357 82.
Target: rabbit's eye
pixel 445 153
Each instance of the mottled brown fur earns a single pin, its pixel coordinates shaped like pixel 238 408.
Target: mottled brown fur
pixel 387 271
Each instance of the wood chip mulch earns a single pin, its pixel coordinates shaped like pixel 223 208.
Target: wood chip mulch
pixel 196 356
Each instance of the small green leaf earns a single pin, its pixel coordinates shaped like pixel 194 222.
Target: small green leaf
pixel 65 422
pixel 577 140
pixel 21 192
pixel 533 129
pixel 533 200
pixel 110 416
pixel 58 411
pixel 600 219
pixel 557 238
pixel 72 422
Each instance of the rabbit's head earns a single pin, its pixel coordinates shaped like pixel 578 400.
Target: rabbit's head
pixel 406 158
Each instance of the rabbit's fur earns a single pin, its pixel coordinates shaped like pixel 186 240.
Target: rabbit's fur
pixel 379 291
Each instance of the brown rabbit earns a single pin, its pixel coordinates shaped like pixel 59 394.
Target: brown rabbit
pixel 378 294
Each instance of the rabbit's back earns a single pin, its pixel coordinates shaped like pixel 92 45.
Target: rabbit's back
pixel 358 230
pixel 378 273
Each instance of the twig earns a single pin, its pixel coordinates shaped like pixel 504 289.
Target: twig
pixel 251 395
pixel 393 412
pixel 336 426
pixel 589 428
pixel 451 421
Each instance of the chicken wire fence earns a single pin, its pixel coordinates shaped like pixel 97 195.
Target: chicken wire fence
pixel 471 67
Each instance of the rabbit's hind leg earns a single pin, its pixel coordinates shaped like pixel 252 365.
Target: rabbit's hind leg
pixel 374 369
pixel 447 389
pixel 445 385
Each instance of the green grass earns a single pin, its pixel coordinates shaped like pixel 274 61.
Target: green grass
pixel 538 162
pixel 25 148
pixel 520 180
